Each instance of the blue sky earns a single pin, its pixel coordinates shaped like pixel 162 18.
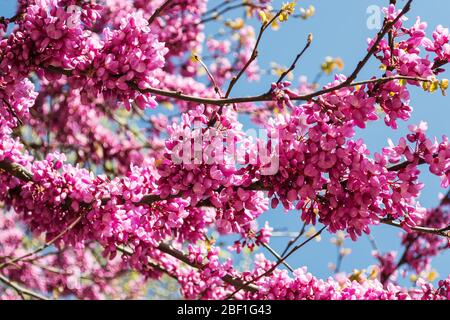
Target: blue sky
pixel 340 30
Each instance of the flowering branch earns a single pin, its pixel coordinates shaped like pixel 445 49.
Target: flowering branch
pixel 20 289
pixel 16 170
pixel 177 95
pixel 43 247
pixel 23 174
pixel 277 264
pixel 219 6
pixel 182 257
pixel 276 255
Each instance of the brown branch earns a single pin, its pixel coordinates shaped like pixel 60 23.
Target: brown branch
pixel 45 246
pixel 401 262
pixel 16 170
pixel 435 231
pixel 21 290
pixel 294 240
pixel 236 282
pixel 158 11
pixel 210 75
pixel 13 19
pixel 59 271
pixel 254 54
pixel 10 108
pixel 178 95
pixel 387 27
pixel 23 174
pixel 216 14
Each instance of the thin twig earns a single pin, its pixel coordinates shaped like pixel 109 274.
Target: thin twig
pixel 45 246
pixel 254 53
pixel 21 290
pixel 294 240
pixel 276 255
pixel 155 266
pixel 373 243
pixel 182 257
pixel 158 11
pixel 219 6
pixel 435 231
pixel 276 265
pixel 178 95
pixel 294 63
pixel 215 15
pixel 211 77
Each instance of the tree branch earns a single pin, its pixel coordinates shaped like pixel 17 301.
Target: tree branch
pixel 435 231
pixel 254 54
pixel 158 11
pixel 236 282
pixel 279 262
pixel 178 95
pixel 21 290
pixel 16 170
pixel 45 246
pixel 23 174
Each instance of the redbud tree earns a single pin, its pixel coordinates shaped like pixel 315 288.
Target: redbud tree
pixel 105 195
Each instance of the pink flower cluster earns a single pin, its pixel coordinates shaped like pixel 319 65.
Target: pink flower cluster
pixel 347 105
pixel 282 95
pixel 44 38
pixel 199 171
pixel 439 45
pixel 127 56
pixel 279 285
pixel 368 189
pixel 178 27
pixel 16 99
